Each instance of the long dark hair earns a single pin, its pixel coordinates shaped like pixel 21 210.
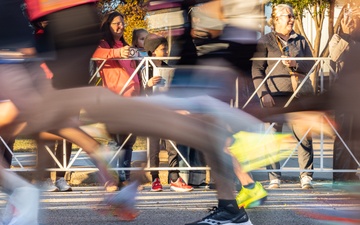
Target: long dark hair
pixel 105 28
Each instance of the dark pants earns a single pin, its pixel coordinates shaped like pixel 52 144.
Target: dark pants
pixel 44 159
pixel 341 157
pixel 154 148
pixel 305 150
pixel 196 159
pixel 124 159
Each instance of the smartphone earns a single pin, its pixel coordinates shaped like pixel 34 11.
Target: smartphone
pixel 133 52
pixel 286 50
pixel 348 10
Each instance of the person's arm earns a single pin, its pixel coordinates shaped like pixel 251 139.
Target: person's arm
pixel 337 46
pixel 258 68
pixel 104 51
pixel 339 43
pixel 149 82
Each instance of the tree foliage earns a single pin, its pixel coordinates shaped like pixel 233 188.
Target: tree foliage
pixel 108 5
pixel 135 17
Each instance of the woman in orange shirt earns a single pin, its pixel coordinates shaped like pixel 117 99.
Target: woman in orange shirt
pixel 115 74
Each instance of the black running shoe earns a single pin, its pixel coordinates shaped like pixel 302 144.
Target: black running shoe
pixel 224 217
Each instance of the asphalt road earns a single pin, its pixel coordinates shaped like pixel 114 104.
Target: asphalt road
pixel 288 205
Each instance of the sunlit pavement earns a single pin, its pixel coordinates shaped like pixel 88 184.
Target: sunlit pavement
pixel 287 205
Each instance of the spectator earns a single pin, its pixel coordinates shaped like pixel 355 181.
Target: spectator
pixel 45 182
pixel 339 48
pixel 115 74
pixel 137 43
pixel 157 46
pixel 277 90
pixel 138 38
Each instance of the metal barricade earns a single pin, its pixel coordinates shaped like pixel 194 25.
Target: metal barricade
pixel 321 62
pixel 63 166
pixel 146 61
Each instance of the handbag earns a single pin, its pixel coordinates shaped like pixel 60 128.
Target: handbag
pixel 297 78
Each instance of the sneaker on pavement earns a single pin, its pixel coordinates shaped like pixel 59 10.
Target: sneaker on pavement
pixel 47 186
pixel 62 185
pixel 225 217
pixel 274 184
pixel 180 186
pixel 306 183
pixel 122 203
pixel 22 207
pixel 249 198
pixel 156 185
pixel 111 187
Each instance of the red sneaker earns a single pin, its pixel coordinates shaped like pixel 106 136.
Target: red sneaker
pixel 156 185
pixel 180 186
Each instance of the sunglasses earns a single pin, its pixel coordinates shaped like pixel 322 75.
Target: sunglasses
pixel 290 16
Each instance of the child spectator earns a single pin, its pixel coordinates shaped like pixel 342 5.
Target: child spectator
pixel 157 46
pixel 138 38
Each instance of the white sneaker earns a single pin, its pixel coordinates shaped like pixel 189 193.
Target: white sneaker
pixel 306 183
pixel 22 207
pixel 275 183
pixel 62 185
pixel 47 186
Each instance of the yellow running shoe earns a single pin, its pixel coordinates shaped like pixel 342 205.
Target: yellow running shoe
pixel 249 198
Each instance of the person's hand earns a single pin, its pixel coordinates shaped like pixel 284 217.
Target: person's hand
pixel 125 51
pixel 267 101
pixel 347 24
pixel 153 81
pixel 288 63
pixel 349 20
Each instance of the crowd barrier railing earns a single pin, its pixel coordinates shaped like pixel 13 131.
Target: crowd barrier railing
pixel 320 64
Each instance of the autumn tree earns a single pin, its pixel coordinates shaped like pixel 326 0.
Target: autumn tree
pixel 108 5
pixel 135 17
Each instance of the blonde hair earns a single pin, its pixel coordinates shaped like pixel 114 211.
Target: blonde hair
pixel 275 11
pixel 135 35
